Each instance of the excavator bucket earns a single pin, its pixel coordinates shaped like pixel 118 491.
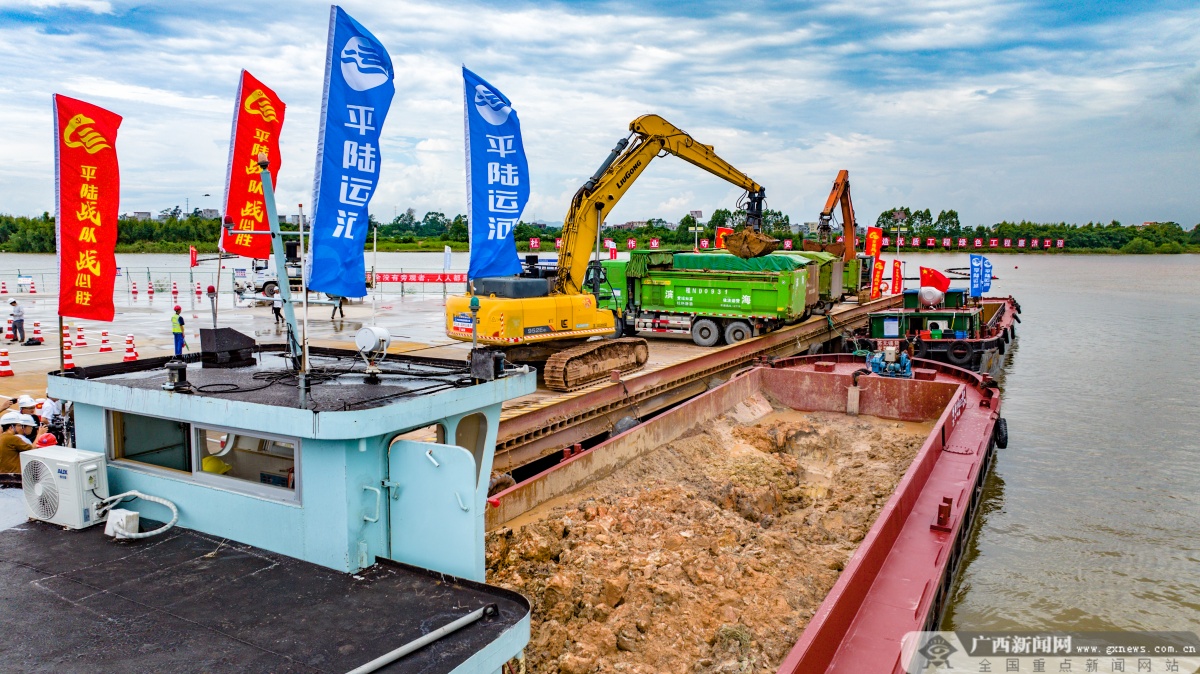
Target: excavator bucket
pixel 747 243
pixel 832 248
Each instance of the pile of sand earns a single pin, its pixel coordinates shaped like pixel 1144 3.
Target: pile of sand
pixel 709 554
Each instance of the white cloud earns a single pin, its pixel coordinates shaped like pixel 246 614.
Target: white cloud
pixel 94 6
pixel 929 103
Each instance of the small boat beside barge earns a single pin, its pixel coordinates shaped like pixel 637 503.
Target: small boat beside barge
pixel 971 333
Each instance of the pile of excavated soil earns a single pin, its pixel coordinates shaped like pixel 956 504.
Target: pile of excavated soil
pixel 709 554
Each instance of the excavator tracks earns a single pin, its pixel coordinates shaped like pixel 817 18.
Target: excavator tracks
pixel 590 362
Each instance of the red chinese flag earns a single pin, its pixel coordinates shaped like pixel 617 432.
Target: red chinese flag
pixel 874 242
pixel 192 260
pixel 256 126
pixel 876 276
pixel 89 194
pixel 932 278
pixel 897 278
pixel 723 232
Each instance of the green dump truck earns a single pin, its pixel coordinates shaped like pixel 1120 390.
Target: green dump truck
pixel 712 297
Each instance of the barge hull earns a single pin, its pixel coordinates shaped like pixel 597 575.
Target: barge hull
pixel 899 577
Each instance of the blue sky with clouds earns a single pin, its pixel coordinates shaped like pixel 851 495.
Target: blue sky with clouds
pixel 1002 110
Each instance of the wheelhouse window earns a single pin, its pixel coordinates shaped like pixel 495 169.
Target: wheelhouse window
pixel 254 463
pixel 150 440
pixel 269 463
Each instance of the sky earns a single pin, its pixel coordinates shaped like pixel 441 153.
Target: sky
pixel 1073 111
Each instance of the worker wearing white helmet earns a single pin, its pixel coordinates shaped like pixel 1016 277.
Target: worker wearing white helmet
pixel 27 405
pixel 13 440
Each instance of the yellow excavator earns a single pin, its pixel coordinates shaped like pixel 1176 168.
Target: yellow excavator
pixel 549 317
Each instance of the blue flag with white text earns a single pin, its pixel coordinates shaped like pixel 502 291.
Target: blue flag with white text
pixel 981 275
pixel 497 178
pixel 358 92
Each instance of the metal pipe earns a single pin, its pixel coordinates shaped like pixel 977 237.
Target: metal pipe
pixel 388 658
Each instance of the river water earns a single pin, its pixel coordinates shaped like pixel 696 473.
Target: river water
pixel 1091 519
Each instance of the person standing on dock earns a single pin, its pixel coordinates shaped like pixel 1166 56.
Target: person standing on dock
pixel 177 330
pixel 18 319
pixel 277 307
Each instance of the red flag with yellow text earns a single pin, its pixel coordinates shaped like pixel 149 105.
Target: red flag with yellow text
pixel 873 245
pixel 897 277
pixel 257 122
pixel 722 232
pixel 88 181
pixel 877 277
pixel 932 278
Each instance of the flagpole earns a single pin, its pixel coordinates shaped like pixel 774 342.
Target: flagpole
pixel 304 291
pixel 374 269
pixel 62 366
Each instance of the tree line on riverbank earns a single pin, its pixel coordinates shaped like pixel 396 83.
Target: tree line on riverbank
pixel 405 232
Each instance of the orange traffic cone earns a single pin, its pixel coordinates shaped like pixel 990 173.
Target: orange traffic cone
pixel 68 364
pixel 198 291
pixel 4 288
pixel 135 288
pixel 80 340
pixel 130 354
pixel 8 333
pixel 5 368
pixel 174 289
pixel 150 289
pixel 37 332
pixel 66 334
pixel 104 346
pixel 32 287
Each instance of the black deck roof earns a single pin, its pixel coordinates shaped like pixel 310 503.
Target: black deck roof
pixel 338 383
pixel 78 601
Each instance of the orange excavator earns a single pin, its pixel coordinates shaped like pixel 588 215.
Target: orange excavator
pixel 825 241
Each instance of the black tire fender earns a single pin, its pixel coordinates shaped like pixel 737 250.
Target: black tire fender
pixel 1000 345
pixel 1001 433
pixel 920 349
pixel 960 352
pixel 705 332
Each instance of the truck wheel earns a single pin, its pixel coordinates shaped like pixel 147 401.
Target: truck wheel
pixel 1001 431
pixel 618 327
pixel 736 332
pixel 269 288
pixel 705 332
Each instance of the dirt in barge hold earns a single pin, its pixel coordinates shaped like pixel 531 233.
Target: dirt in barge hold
pixel 709 554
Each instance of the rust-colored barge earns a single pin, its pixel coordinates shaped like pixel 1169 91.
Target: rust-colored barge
pixel 900 575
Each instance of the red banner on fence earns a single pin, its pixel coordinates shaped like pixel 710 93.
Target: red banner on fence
pixel 897 278
pixel 874 242
pixel 427 277
pixel 256 126
pixel 89 193
pixel 876 277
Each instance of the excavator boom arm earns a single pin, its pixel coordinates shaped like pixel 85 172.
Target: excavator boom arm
pixel 652 135
pixel 841 194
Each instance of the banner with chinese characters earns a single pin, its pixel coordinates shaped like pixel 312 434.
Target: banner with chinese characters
pixel 981 275
pixel 722 232
pixel 897 277
pixel 358 93
pixel 257 122
pixel 497 177
pixel 873 244
pixel 88 181
pixel 877 278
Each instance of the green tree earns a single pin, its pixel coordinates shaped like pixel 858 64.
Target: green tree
pixel 458 229
pixel 1138 246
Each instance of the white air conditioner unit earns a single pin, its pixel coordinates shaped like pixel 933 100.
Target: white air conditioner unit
pixel 63 485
